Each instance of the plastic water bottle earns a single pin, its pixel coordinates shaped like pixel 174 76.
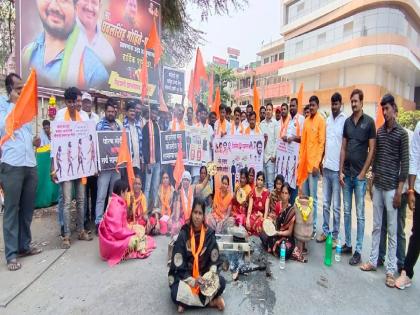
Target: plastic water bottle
pixel 338 250
pixel 328 251
pixel 283 255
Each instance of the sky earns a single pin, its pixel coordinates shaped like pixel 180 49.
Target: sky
pixel 244 30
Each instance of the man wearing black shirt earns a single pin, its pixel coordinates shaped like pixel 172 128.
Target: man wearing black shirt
pixel 356 155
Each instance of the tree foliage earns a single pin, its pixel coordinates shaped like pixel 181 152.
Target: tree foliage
pixel 408 118
pixel 7 29
pixel 222 77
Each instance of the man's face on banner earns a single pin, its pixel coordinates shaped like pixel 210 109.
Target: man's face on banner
pixel 88 12
pixel 131 9
pixel 259 148
pixel 57 17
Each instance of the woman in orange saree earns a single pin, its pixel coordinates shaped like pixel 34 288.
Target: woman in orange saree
pixel 219 219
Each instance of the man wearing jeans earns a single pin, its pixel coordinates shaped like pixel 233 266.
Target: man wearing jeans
pixel 390 171
pixel 106 178
pixel 151 155
pixel 310 155
pixel 19 177
pixel 270 128
pixel 413 196
pixel 331 181
pixel 71 96
pixel 356 155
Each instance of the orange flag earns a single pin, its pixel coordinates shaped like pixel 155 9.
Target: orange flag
pixel 300 99
pixel 144 76
pixel 191 96
pixel 216 103
pixel 154 42
pixel 124 156
pixel 162 107
pixel 256 101
pixel 26 108
pixel 380 120
pixel 179 168
pixel 199 71
pixel 211 90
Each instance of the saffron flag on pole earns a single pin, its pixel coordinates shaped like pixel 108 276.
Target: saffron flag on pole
pixel 256 101
pixel 190 95
pixel 217 102
pixel 199 71
pixel 162 103
pixel 124 156
pixel 154 42
pixel 179 168
pixel 26 108
pixel 300 99
pixel 144 76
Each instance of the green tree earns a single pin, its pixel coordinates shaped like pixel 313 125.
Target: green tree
pixel 7 29
pixel 408 118
pixel 222 77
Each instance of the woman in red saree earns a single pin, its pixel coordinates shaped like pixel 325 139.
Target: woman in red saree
pixel 219 219
pixel 258 206
pixel 242 192
pixel 117 240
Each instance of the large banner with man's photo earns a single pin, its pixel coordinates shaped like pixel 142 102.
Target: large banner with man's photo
pixel 94 44
pixel 287 161
pixel 233 153
pixel 73 147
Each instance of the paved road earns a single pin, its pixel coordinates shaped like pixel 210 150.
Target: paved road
pixel 80 283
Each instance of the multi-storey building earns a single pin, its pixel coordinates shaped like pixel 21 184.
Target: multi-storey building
pixel 339 45
pixel 272 87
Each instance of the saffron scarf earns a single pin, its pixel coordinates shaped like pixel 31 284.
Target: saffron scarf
pixel 196 252
pixel 187 202
pixel 141 205
pixel 221 128
pixel 181 125
pixel 297 125
pixel 165 195
pixel 221 205
pixel 283 126
pixel 257 130
pixel 241 129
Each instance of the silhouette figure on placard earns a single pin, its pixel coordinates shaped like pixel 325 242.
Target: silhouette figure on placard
pixel 70 160
pixel 58 161
pixel 80 157
pixel 282 169
pixel 233 173
pixel 287 170
pixel 292 180
pixel 92 153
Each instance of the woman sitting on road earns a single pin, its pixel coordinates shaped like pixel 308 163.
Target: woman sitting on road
pixel 258 206
pixel 241 198
pixel 194 260
pixel 203 189
pixel 117 239
pixel 219 219
pixel 163 204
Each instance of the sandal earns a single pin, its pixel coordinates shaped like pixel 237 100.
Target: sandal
pixel 83 236
pixel 65 244
pixel 298 256
pixel 403 281
pixel 390 280
pixel 13 265
pixel 31 252
pixel 367 267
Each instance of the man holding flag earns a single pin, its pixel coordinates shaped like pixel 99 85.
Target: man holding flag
pixel 18 163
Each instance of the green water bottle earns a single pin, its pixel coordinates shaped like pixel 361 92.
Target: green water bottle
pixel 328 250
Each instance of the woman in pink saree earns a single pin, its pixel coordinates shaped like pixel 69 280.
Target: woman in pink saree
pixel 117 239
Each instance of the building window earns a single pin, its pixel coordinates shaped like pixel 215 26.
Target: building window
pixel 266 60
pixel 281 55
pixel 299 47
pixel 300 7
pixel 322 38
pixel 348 29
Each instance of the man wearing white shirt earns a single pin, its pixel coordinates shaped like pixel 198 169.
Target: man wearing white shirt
pixel 407 273
pixel 269 127
pixel 331 184
pixel 237 129
pixel 222 126
pixel 87 107
pixel 202 116
pixel 87 19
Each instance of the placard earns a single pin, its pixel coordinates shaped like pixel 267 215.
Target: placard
pixel 233 153
pixel 287 160
pixel 73 147
pixel 169 141
pixel 197 146
pixel 109 143
pixel 173 81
